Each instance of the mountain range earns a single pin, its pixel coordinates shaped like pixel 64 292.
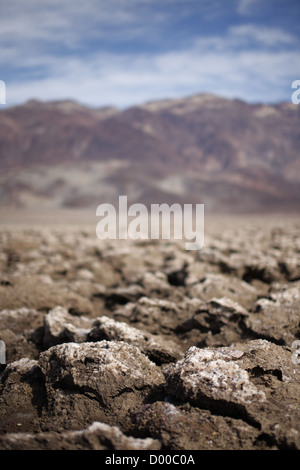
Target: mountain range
pixel 228 154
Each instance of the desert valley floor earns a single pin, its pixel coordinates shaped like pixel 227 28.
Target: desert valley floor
pixel 144 345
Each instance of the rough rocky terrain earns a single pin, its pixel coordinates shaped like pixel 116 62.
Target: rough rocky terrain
pixel 144 345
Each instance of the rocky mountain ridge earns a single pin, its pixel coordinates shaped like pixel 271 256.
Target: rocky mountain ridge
pixel 227 154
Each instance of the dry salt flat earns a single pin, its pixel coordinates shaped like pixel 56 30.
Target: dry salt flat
pixel 123 344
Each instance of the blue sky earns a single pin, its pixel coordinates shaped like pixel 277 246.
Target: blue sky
pixel 125 52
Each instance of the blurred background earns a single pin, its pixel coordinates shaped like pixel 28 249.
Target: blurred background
pixel 164 101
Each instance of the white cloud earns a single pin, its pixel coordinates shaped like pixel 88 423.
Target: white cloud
pixel 241 63
pixel 71 21
pixel 264 35
pixel 245 7
pixel 126 80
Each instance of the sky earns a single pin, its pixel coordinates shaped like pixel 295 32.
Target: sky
pixel 126 52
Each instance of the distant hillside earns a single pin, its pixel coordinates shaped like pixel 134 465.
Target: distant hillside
pixel 226 153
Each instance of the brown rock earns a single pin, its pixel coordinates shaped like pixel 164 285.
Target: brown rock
pixel 158 348
pixel 102 381
pixel 98 436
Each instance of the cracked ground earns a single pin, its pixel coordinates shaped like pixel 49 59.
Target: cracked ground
pixel 123 344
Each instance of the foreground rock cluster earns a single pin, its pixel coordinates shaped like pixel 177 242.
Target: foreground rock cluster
pixel 144 345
